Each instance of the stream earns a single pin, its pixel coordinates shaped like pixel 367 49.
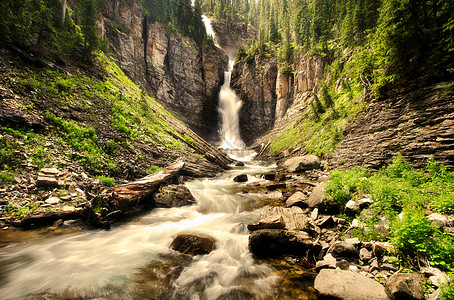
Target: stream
pixel 133 259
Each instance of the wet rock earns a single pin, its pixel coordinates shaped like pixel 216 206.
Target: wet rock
pixel 302 163
pixel 240 178
pixel 239 164
pixel 297 199
pixel 348 285
pixel 269 176
pixel 317 195
pixel 275 186
pixel 406 286
pixel 272 222
pixel 343 249
pixel 193 244
pixel 272 242
pixel 173 196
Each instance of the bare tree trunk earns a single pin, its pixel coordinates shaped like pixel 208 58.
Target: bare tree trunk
pixel 63 12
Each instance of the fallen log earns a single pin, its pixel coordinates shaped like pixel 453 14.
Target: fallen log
pixel 126 196
pixel 45 218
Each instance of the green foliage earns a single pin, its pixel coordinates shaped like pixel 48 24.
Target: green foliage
pixel 107 181
pixel 84 141
pixel 7 176
pixel 154 169
pixel 22 211
pixel 404 196
pixel 447 291
pixel 343 186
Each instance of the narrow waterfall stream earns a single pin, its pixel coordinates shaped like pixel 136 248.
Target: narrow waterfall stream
pixel 125 262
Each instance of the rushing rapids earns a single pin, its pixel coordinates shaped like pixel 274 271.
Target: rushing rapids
pixel 124 262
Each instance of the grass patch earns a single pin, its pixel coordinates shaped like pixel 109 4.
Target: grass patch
pixel 107 181
pixel 154 169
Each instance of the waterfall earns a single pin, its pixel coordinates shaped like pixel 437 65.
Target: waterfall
pixel 229 104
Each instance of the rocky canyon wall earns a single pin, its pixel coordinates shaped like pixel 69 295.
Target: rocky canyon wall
pixel 183 76
pixel 415 119
pixel 271 96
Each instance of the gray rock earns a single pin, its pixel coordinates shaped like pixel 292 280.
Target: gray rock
pixel 272 222
pixel 436 276
pixel 240 178
pixel 343 249
pixel 193 244
pixel 302 163
pixel 352 207
pixel 438 219
pixel 328 262
pixel 406 286
pixel 272 242
pixel 314 214
pixel 293 217
pixel 365 255
pixel 317 195
pixel 46 181
pixel 52 200
pixel 297 199
pixel 325 222
pixel 348 285
pixel 343 264
pixel 173 196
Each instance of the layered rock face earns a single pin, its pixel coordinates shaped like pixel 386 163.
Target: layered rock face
pixel 271 96
pixel 256 86
pixel 182 76
pixel 417 122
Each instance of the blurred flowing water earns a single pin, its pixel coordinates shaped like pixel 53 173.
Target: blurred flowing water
pixel 133 260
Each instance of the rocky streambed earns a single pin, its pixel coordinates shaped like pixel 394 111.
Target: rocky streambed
pixel 252 232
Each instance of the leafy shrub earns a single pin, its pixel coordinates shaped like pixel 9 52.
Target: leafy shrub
pixel 7 176
pixel 344 184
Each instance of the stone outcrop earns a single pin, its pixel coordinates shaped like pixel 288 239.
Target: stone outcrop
pixel 417 122
pixel 302 163
pixel 255 84
pixel 347 285
pixel 183 76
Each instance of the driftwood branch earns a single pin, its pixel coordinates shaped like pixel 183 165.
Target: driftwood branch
pixel 128 195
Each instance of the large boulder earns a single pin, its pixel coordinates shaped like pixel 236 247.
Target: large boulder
pixel 348 285
pixel 272 242
pixel 292 217
pixel 302 163
pixel 406 286
pixel 240 178
pixel 173 196
pixel 193 244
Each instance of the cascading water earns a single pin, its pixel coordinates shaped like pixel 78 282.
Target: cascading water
pixel 229 109
pixel 133 260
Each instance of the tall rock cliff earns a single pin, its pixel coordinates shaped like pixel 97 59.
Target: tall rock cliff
pixel 183 76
